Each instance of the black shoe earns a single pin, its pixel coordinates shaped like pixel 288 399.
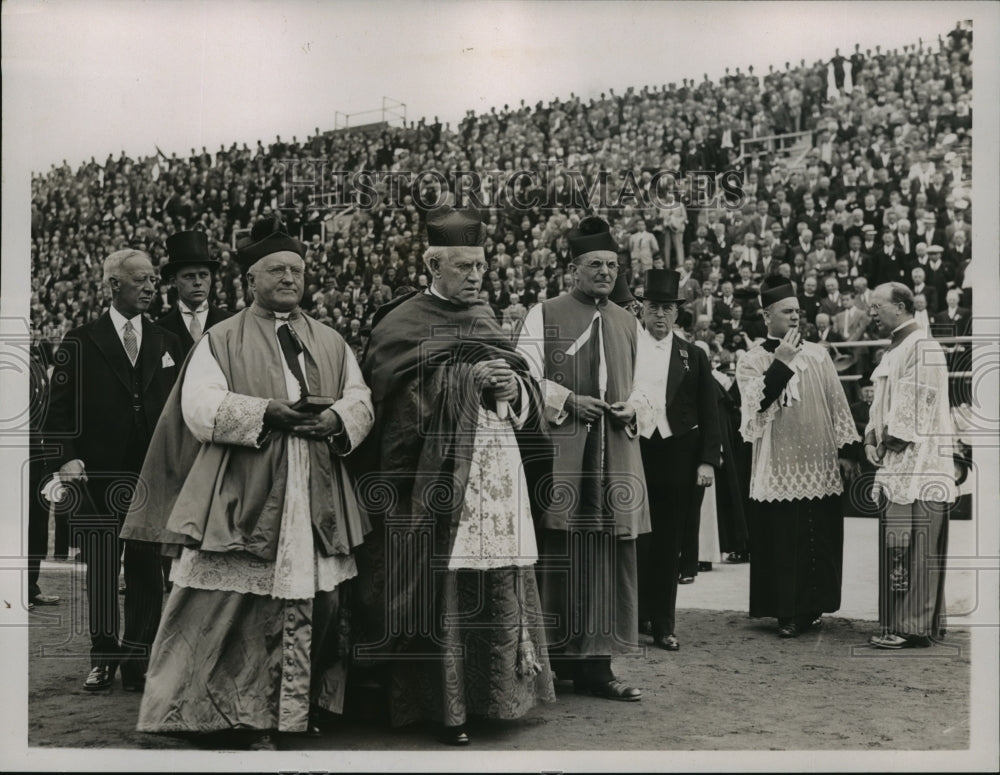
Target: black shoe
pixel 99 679
pixel 737 557
pixel 686 580
pixel 704 566
pixel 645 627
pixel 667 643
pixel 787 629
pixel 133 675
pixel 609 690
pixel 321 719
pixel 263 741
pixel 41 599
pixel 453 735
pixel 133 684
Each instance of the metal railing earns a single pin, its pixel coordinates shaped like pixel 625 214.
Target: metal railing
pixel 782 143
pixel 392 110
pixel 876 343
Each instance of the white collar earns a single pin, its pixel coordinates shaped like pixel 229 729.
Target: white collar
pixel 119 320
pixel 186 310
pixel 665 343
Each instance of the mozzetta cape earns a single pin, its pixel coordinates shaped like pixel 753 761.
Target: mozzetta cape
pixel 229 496
pixel 556 340
pixel 797 437
pixel 413 469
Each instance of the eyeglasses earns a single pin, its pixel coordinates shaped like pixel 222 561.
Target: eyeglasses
pixel 596 266
pixel 279 271
pixel 468 267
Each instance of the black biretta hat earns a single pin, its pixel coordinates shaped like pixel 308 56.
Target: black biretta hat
pixel 451 228
pixel 774 288
pixel 267 236
pixel 592 234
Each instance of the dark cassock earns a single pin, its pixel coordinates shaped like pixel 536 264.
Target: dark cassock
pixel 254 501
pixel 582 350
pixel 447 599
pixel 797 417
pixel 728 490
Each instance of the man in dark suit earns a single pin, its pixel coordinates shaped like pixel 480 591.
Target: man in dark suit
pixel 809 300
pixel 933 234
pixel 190 268
pixel 824 332
pixel 918 284
pixel 108 388
pixel 940 273
pixel 954 320
pixel 905 241
pixel 889 264
pixel 681 446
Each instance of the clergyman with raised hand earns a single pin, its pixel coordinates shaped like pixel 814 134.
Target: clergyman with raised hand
pixel 795 413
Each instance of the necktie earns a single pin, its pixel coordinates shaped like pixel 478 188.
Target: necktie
pixel 290 348
pixel 195 326
pixel 131 346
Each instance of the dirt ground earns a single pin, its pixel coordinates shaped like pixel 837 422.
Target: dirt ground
pixel 733 686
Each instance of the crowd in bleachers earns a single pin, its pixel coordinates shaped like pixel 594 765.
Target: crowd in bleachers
pixel 883 193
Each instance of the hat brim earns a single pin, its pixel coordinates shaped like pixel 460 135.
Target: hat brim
pixel 660 299
pixel 171 268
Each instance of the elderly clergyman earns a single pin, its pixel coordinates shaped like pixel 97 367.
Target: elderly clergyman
pixel 447 599
pixel 253 493
pixel 910 440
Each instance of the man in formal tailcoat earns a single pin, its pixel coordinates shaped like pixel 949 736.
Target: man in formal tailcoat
pixel 681 446
pixel 110 382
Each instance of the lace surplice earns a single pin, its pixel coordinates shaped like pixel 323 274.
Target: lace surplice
pixel 796 439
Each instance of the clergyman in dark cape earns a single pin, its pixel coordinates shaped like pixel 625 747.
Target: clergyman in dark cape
pixel 446 593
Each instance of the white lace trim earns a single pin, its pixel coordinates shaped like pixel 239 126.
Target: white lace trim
pixel 287 577
pixel 240 420
pixel 911 401
pixel 357 418
pixel 795 443
pixel 495 528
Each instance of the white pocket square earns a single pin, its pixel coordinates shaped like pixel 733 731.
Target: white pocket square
pixel 167 361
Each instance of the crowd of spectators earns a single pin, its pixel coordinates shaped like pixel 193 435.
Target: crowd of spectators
pixel 882 193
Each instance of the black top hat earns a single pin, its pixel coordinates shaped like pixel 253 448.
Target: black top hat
pixel 661 285
pixel 620 294
pixel 267 236
pixel 451 228
pixel 184 249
